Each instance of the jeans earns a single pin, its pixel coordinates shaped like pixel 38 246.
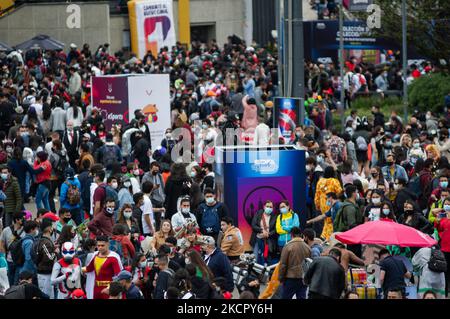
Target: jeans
pixel 313 295
pixel 258 251
pixel 42 193
pixel 293 287
pixel 45 284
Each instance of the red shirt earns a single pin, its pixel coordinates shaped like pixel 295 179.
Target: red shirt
pixel 443 228
pixel 46 174
pixel 100 196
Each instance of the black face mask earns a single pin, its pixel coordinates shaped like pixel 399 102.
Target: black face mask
pixel 67 219
pixel 154 173
pixel 390 163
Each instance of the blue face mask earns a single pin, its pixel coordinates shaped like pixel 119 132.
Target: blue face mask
pixel 268 210
pixel 386 211
pixel 209 200
pixel 447 208
pixel 328 203
pixel 283 210
pixel 444 184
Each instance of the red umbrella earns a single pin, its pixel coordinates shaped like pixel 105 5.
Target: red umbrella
pixel 386 232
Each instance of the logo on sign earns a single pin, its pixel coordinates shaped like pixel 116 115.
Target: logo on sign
pixel 265 166
pixel 110 87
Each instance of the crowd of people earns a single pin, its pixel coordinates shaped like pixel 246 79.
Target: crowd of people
pixel 117 217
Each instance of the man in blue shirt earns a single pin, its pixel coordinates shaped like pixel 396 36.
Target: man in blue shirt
pixel 131 291
pixel 31 232
pixel 334 203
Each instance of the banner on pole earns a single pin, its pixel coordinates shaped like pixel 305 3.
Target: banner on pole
pixel 151 26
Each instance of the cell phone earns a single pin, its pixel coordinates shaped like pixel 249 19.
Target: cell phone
pixel 442 215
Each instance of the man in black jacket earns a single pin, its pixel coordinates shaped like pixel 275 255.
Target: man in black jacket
pixel 46 257
pixel 141 149
pixel 218 262
pixel 378 116
pixel 326 277
pixel 72 141
pixel 25 289
pixel 165 277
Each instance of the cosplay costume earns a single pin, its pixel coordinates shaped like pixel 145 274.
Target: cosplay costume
pixel 66 273
pixel 100 271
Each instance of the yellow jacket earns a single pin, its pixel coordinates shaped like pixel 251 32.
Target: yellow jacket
pixel 272 285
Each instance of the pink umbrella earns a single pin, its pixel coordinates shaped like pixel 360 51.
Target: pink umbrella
pixel 386 232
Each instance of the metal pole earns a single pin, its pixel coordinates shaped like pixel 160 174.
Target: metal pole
pixel 278 15
pixel 405 61
pixel 298 64
pixel 341 61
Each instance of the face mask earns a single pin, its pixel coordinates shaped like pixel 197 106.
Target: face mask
pixel 36 233
pixel 298 134
pixel 408 211
pixel 204 126
pixel 143 264
pixel 70 129
pixel 209 200
pixel 386 211
pixel 127 184
pixel 9 149
pixel 185 210
pixel 114 185
pixel 396 187
pixel 428 116
pixel 416 145
pixel 376 201
pixel 444 184
pixel 168 136
pixel 136 172
pixel 110 210
pixel 284 210
pixel 308 168
pixel 328 203
pixel 390 163
pixel 388 144
pixel 193 174
pixel 319 159
pixel 187 261
pixel 154 173
pixel 67 219
pixel 4 176
pixel 127 215
pixel 268 210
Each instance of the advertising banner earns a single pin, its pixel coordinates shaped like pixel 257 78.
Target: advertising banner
pixel 110 95
pixel 359 5
pixel 151 26
pixel 287 110
pixel 245 179
pixel 151 94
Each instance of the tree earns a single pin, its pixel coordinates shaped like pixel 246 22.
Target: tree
pixel 428 25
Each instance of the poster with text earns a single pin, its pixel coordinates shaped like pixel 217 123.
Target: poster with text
pixel 287 110
pixel 151 26
pixel 110 95
pixel 151 94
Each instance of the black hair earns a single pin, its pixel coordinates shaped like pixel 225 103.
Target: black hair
pixel 137 197
pixel 329 172
pixel 29 226
pixel 296 231
pixel 309 233
pixel 228 220
pixel 332 195
pixel 110 200
pixel 147 187
pixel 171 240
pixel 100 174
pixel 401 181
pixel 335 252
pixel 18 216
pixel 383 251
pixel 115 288
pixel 349 190
pixel 209 190
pixel 103 238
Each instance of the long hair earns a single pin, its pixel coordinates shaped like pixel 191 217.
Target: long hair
pixel 178 172
pixel 197 260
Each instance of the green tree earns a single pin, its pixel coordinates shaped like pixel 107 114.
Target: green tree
pixel 428 92
pixel 428 25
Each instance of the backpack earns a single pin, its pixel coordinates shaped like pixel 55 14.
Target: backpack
pixel 73 194
pixel 15 292
pixel 414 185
pixel 205 109
pixel 437 262
pixel 361 144
pixel 171 274
pixel 15 248
pixel 210 219
pixel 340 222
pixel 35 251
pixel 109 156
pixel 59 163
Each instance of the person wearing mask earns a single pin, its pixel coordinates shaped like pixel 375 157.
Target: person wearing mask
pixel 349 214
pixel 102 223
pixel 142 126
pixel 141 150
pixel 66 272
pixel 65 218
pixel 438 206
pixel 287 220
pixel 31 229
pixel 103 266
pixel 71 140
pixel 8 235
pixel 387 211
pixel 328 183
pixel 393 272
pixel 403 194
pixel 437 191
pixel 125 217
pixel 148 217
pixel 264 235
pixel 157 196
pixel 184 219
pixel 334 203
pixel 376 177
pixel 120 235
pixel 326 277
pixel 217 262
pixel 109 154
pixel 70 196
pixel 58 119
pixel 232 242
pixel 210 213
pixel 125 193
pixel 130 289
pixel 291 274
pixel 176 186
pixel 372 211
pixel 393 171
pixel 46 257
pixel 11 189
pixel 428 280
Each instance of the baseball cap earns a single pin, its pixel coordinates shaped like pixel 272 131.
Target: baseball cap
pixel 51 216
pixel 123 275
